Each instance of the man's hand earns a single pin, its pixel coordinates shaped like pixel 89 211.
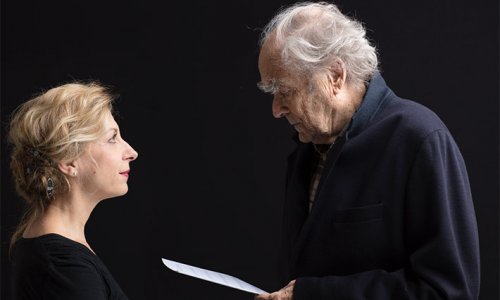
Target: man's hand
pixel 285 293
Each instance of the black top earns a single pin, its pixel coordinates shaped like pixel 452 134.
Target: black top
pixel 54 267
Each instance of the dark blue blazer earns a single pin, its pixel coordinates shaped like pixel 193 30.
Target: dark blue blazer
pixel 393 216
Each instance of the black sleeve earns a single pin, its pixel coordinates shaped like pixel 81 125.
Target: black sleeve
pixel 441 238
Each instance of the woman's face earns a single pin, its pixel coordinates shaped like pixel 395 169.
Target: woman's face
pixel 105 167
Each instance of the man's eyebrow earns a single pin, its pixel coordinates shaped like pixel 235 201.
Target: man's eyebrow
pixel 268 87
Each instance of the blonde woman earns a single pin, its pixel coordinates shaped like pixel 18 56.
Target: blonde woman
pixel 67 155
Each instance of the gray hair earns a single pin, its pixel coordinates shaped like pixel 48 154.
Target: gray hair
pixel 312 35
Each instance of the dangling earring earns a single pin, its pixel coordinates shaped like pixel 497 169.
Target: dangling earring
pixel 50 188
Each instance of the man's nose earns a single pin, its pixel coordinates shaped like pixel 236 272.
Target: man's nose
pixel 279 110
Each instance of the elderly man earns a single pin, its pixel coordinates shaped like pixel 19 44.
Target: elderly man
pixel 377 203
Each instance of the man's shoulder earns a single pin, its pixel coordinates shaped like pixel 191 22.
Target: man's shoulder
pixel 409 116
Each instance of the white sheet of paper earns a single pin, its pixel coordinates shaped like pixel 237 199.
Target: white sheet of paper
pixel 212 276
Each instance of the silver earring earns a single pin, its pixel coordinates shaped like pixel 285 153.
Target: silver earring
pixel 73 174
pixel 50 188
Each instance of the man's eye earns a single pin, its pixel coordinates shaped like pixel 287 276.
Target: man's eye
pixel 284 92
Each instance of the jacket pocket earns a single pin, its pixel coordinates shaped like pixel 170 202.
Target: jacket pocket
pixel 359 214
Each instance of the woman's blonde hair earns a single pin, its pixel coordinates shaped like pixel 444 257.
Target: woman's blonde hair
pixel 54 126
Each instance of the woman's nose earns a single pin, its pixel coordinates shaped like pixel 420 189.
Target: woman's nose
pixel 130 153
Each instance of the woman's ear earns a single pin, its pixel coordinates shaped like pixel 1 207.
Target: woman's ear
pixel 68 168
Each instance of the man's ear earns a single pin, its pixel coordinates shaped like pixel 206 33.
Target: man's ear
pixel 68 168
pixel 338 74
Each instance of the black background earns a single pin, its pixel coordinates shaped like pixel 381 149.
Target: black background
pixel 207 186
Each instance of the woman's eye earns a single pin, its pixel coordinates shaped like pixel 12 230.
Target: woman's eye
pixel 113 139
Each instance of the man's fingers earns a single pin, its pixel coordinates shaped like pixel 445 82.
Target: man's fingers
pixel 263 297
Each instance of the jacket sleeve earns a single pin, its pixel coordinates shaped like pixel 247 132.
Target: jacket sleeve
pixel 441 237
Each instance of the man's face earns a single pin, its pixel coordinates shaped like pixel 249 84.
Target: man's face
pixel 310 104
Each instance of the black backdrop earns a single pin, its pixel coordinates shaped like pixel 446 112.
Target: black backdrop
pixel 207 187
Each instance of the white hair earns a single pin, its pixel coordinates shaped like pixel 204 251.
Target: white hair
pixel 312 35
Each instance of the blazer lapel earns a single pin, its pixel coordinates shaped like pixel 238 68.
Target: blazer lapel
pixel 296 206
pixel 308 220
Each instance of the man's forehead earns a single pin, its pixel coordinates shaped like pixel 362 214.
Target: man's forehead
pixel 267 63
pixel 271 68
pixel 273 72
pixel 270 52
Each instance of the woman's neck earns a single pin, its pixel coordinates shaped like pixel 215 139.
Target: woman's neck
pixel 66 217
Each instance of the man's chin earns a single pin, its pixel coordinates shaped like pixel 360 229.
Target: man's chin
pixel 304 138
pixel 307 138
